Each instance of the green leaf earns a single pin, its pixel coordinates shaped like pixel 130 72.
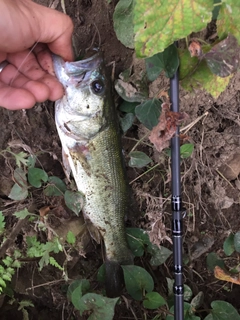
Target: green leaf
pixel 56 187
pixel 22 214
pixel 101 275
pixel 20 177
pixel 81 286
pixel 2 222
pixel 200 77
pixel 153 300
pixel 216 9
pixel 228 19
pixel 21 158
pixel 71 239
pixel 222 310
pixel 148 112
pixel 123 22
pixel 138 159
pixel 74 201
pixel 187 293
pixel 188 313
pixel 36 176
pixel 228 245
pixel 25 303
pixel 101 307
pixel 133 93
pixel 159 24
pixel 44 261
pixel 7 277
pixel 31 161
pixel 198 300
pixel 213 260
pixel 137 280
pixel 170 283
pixel 54 263
pixel 138 240
pixel 18 193
pixel 128 107
pixel 159 255
pixel 237 241
pixel 166 60
pixel 186 150
pixel 127 121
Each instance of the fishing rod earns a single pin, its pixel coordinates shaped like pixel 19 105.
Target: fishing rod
pixel 177 209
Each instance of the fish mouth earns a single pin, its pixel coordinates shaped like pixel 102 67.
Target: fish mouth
pixel 78 73
pixel 81 66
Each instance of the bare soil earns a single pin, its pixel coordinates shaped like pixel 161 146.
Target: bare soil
pixel 210 184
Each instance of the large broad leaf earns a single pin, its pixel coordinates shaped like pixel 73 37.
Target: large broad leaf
pixel 198 300
pixel 18 193
pixel 123 22
pixel 159 255
pixel 138 159
pixel 237 241
pixel 36 176
pixel 228 245
pixel 228 19
pixel 222 310
pixel 157 24
pixel 56 187
pixel 213 260
pixel 137 280
pixel 20 177
pixel 148 112
pixel 223 58
pixel 127 121
pixel 138 240
pixel 76 290
pixel 128 107
pixel 101 307
pixel 153 300
pixel 188 313
pixel 74 201
pixel 166 60
pixel 199 76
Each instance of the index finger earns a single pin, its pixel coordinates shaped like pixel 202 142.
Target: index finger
pixel 56 31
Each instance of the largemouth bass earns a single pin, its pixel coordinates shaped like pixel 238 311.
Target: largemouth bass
pixel 87 125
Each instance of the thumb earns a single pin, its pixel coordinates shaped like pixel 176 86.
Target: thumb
pixel 55 30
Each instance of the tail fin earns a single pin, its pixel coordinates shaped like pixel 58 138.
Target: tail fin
pixel 114 279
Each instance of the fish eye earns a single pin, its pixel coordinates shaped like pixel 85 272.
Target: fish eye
pixel 97 86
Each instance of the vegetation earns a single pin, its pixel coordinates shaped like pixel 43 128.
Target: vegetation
pixel 150 29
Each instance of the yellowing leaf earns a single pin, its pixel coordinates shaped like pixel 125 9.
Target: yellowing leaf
pixel 157 24
pixel 222 275
pixel 228 19
pixel 199 76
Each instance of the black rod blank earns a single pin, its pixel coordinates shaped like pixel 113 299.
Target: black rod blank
pixel 177 210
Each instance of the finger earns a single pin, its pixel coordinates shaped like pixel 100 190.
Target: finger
pixel 15 99
pixel 39 90
pixel 56 30
pixel 3 56
pixel 27 65
pixel 44 58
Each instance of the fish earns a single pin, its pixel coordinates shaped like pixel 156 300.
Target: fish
pixel 87 124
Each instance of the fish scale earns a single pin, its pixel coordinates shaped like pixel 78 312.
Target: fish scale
pixel 87 124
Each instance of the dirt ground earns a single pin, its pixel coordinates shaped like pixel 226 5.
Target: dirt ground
pixel 210 181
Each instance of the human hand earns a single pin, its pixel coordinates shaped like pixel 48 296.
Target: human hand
pixel 29 76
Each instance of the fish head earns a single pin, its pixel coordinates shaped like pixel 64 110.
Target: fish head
pixel 85 85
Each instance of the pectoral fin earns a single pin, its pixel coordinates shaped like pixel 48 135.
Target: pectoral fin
pixel 80 153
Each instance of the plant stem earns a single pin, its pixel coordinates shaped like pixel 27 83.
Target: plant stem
pixel 145 173
pixel 217 4
pixel 139 141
